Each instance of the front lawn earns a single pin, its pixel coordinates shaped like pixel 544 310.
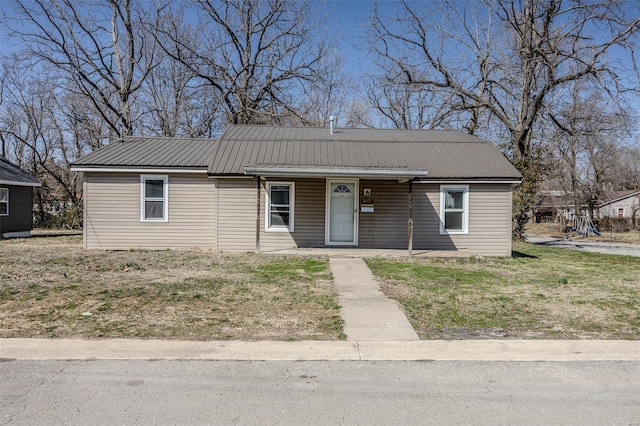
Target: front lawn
pixel 51 287
pixel 540 293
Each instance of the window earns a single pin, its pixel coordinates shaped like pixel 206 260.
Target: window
pixel 4 201
pixel 621 213
pixel 279 209
pixel 454 210
pixel 154 198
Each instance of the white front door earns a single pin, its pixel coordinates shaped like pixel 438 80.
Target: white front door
pixel 342 212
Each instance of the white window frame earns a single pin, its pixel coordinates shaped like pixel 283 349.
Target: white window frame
pixel 267 210
pixel 465 209
pixel 165 198
pixel 5 202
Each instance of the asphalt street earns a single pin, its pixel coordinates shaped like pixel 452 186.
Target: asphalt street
pixel 351 392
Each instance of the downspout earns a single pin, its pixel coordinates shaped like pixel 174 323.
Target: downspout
pixel 410 224
pixel 257 214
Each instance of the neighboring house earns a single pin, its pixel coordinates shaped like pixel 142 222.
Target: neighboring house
pixel 266 188
pixel 16 200
pixel 620 205
pixel 556 206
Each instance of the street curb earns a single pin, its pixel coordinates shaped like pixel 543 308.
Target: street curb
pixel 424 350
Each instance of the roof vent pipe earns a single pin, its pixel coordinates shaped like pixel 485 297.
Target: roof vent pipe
pixel 332 123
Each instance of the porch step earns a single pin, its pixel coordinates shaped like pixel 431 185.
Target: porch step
pixel 367 313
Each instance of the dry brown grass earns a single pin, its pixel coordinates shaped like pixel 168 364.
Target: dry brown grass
pixel 540 293
pixel 51 287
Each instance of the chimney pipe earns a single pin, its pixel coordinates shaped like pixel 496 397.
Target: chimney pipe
pixel 332 123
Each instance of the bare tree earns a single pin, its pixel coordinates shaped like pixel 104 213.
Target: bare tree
pixel 41 134
pixel 409 106
pixel 99 46
pixel 358 115
pixel 628 165
pixel 588 135
pixel 257 55
pixel 326 96
pixel 173 103
pixel 507 60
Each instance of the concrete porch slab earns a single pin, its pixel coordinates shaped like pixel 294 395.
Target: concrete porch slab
pixel 355 252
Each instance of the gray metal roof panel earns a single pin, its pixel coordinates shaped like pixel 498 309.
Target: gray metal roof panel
pixel 247 133
pixel 10 174
pixel 445 154
pixel 152 152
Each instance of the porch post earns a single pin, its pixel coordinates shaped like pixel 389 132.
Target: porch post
pixel 410 224
pixel 258 214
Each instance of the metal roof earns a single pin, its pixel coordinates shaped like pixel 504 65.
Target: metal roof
pixel 314 151
pixel 311 151
pixel 10 174
pixel 150 152
pixel 618 196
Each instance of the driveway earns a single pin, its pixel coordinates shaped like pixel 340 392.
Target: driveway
pixel 586 245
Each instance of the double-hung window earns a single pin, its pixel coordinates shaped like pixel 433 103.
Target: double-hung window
pixel 154 205
pixel 454 209
pixel 4 201
pixel 280 206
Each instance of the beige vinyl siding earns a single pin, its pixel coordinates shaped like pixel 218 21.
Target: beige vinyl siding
pixel 489 220
pixel 308 217
pixel 112 213
pixel 386 227
pixel 236 214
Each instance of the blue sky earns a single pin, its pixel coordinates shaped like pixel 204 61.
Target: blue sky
pixel 348 17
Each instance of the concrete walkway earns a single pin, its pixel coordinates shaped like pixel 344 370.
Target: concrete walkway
pixel 367 313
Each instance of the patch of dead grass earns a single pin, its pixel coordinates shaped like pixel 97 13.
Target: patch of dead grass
pixel 51 287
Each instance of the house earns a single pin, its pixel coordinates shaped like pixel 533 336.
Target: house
pixel 620 205
pixel 556 206
pixel 16 200
pixel 267 188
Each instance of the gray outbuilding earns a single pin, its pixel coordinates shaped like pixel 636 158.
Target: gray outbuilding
pixel 16 200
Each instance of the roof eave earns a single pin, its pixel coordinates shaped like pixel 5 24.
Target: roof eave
pixel 137 169
pixel 16 183
pixel 633 194
pixel 483 179
pixel 303 172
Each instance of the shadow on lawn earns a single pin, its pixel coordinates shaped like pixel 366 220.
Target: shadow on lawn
pixel 55 233
pixel 520 255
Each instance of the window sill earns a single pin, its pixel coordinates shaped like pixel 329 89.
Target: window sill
pixel 278 230
pixel 454 232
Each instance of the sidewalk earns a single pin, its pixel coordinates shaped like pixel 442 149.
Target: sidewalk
pixel 424 350
pixel 367 313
